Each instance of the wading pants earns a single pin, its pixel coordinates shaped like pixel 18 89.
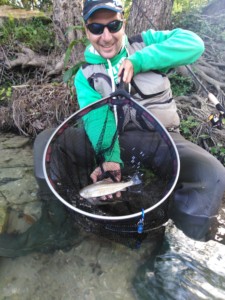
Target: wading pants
pixel 199 191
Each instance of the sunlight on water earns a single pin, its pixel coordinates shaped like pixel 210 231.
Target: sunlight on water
pixel 185 269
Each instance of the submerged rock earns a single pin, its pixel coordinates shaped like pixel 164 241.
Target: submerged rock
pixel 18 187
pixel 3 218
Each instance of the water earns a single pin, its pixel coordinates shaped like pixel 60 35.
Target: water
pixel 185 269
pixel 100 269
pixel 85 266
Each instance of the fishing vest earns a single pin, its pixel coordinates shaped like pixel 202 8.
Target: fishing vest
pixel 151 89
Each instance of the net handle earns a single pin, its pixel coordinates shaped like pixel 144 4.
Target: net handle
pixel 121 83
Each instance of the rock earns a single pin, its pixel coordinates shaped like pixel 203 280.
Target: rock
pixel 17 182
pixel 16 223
pixel 32 211
pixel 17 186
pixel 10 141
pixel 3 218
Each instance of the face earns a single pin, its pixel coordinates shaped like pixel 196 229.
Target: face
pixel 107 44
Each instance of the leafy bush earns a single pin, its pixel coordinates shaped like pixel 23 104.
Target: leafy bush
pixel 219 152
pixel 180 85
pixel 187 5
pixel 188 126
pixel 34 33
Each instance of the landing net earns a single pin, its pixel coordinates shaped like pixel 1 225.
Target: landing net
pixel 146 149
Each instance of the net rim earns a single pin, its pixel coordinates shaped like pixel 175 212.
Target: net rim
pixel 101 217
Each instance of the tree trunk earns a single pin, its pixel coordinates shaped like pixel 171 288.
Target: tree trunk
pixel 67 14
pixel 146 14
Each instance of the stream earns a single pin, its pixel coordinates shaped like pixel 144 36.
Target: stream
pixel 44 254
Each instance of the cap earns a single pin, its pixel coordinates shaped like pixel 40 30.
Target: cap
pixel 91 6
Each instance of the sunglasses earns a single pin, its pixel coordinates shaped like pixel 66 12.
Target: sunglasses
pixel 97 28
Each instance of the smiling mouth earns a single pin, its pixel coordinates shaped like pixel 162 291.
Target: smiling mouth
pixel 107 47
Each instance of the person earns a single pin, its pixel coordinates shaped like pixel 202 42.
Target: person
pixel 112 57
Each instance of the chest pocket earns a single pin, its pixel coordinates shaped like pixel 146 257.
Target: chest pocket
pixel 150 85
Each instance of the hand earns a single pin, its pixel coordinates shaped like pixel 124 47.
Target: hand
pixel 114 169
pixel 128 71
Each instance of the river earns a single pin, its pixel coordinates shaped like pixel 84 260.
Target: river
pixel 83 265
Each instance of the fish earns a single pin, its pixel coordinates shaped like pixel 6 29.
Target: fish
pixel 103 188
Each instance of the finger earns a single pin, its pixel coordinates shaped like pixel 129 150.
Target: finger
pixel 95 174
pixel 120 70
pixel 125 74
pixel 118 194
pixel 93 177
pixel 128 71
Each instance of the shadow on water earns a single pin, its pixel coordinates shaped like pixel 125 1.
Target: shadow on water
pixel 59 229
pixel 54 230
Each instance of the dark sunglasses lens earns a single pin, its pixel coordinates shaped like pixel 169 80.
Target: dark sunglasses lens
pixel 97 28
pixel 115 26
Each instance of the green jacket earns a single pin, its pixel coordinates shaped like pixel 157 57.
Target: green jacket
pixel 164 50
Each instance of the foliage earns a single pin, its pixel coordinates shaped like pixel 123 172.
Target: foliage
pixel 188 126
pixel 83 41
pixel 70 72
pixel 4 2
pixel 219 152
pixel 29 4
pixel 127 6
pixel 187 5
pixel 180 85
pixel 192 19
pixel 33 33
pixel 5 95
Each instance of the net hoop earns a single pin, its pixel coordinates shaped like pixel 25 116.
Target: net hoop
pixel 112 100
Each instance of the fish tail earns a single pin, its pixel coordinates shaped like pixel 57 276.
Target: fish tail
pixel 136 180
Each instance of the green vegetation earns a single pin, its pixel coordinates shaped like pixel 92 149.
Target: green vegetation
pixel 29 4
pixel 188 126
pixel 5 95
pixel 180 85
pixel 187 5
pixel 219 152
pixel 70 72
pixel 34 33
pixel 189 17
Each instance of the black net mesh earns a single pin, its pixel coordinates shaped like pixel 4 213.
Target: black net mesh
pixel 146 149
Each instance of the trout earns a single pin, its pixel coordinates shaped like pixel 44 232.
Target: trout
pixel 103 188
